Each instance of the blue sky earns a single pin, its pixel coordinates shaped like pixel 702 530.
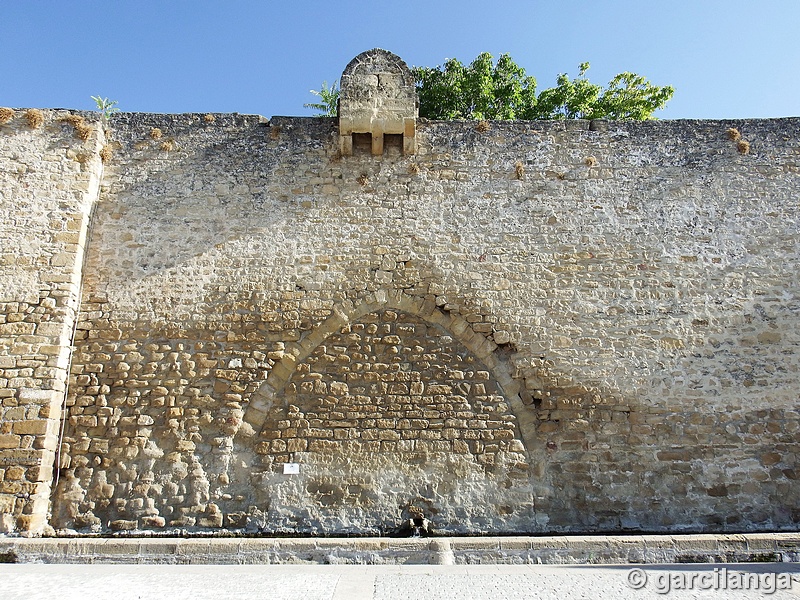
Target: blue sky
pixel 726 58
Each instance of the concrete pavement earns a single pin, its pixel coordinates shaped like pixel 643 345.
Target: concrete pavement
pixel 397 582
pixel 594 549
pixel 496 568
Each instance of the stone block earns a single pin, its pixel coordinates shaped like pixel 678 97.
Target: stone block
pixel 7 503
pixel 33 427
pixel 14 473
pixel 19 328
pixel 123 525
pixel 210 521
pixel 7 523
pixel 38 396
pixel 8 441
pixel 153 522
pixel 31 523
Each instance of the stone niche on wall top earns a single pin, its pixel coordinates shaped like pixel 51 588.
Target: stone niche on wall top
pixel 377 100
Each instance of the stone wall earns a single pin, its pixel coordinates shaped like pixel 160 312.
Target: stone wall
pixel 50 170
pixel 542 327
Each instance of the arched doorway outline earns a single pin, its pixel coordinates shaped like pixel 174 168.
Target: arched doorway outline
pixel 264 398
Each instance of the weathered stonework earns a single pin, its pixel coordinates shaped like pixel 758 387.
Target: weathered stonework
pixel 377 98
pixel 597 345
pixel 48 184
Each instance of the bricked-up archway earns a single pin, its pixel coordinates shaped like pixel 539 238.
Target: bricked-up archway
pixel 499 392
pixel 391 383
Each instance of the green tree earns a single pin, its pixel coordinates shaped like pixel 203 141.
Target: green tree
pixel 628 96
pixel 328 106
pixel 481 90
pixel 501 90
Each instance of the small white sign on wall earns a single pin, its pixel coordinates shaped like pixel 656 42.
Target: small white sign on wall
pixel 291 468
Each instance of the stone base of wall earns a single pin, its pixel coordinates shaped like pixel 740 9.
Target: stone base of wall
pixel 637 549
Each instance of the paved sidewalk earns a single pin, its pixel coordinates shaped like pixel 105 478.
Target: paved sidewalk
pixel 398 582
pixel 512 550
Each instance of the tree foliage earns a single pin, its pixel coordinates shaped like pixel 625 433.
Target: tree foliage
pixel 328 105
pixel 501 90
pixel 628 96
pixel 481 90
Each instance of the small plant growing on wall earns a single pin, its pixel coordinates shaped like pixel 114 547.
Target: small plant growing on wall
pixel 155 133
pixel 34 117
pixel 82 130
pixel 483 127
pixel 519 170
pixel 105 106
pixel 73 120
pixel 6 114
pixel 209 118
pixel 743 146
pixel 106 153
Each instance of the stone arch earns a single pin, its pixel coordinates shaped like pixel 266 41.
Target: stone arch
pixel 483 349
pixel 377 60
